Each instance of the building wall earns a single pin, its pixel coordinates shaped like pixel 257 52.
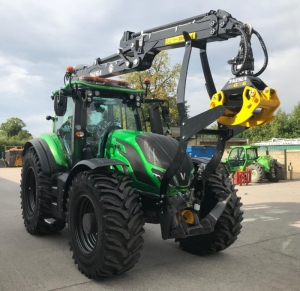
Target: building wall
pixel 294 158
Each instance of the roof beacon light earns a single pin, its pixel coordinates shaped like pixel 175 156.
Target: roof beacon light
pixel 70 69
pixel 147 81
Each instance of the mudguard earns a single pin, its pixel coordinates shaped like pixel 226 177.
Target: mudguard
pixel 64 180
pixel 45 155
pixel 85 165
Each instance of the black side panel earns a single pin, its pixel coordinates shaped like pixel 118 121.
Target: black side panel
pixel 44 153
pixel 160 151
pixel 136 164
pixel 155 120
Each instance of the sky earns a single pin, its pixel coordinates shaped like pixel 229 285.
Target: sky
pixel 39 39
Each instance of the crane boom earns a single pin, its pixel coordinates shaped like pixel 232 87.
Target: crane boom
pixel 137 50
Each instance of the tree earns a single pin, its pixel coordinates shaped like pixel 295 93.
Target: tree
pixel 283 126
pixel 13 127
pixel 24 134
pixel 163 82
pixel 295 120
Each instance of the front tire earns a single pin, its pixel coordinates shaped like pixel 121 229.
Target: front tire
pixel 257 173
pixel 104 215
pixel 36 196
pixel 228 226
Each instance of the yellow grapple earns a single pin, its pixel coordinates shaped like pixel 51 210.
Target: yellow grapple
pixel 257 107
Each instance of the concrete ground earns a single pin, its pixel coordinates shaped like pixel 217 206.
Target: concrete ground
pixel 266 255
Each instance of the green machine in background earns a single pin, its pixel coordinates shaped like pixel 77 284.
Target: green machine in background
pixel 262 167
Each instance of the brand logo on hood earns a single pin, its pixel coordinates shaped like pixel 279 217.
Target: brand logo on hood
pixel 183 176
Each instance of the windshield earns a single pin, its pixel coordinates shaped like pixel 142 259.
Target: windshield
pixel 104 114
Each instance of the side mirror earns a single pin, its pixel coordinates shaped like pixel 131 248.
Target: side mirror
pixel 165 113
pixel 60 105
pixel 48 117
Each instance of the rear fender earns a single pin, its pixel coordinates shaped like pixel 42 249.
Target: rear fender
pixel 45 156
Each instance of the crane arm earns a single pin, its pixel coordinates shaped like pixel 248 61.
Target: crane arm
pixel 137 50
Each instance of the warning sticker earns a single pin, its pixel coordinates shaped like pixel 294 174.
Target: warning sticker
pixel 179 38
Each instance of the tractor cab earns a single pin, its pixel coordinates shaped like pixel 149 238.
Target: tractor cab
pixel 100 106
pixel 240 157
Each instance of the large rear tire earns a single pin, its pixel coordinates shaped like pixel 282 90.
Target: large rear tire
pixel 257 173
pixel 36 197
pixel 275 174
pixel 228 226
pixel 104 216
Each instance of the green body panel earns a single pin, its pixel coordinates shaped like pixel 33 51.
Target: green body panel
pixel 265 162
pixel 102 87
pixel 56 148
pixel 115 152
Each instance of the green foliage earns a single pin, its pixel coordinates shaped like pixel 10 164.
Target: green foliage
pixel 12 126
pixel 13 134
pixel 163 83
pixel 285 125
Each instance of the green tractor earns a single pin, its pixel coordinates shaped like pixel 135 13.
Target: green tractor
pixel 262 167
pixel 103 175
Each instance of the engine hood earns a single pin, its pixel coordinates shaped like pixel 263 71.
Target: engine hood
pixel 148 156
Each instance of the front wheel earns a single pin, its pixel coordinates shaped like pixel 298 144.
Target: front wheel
pixel 257 173
pixel 104 215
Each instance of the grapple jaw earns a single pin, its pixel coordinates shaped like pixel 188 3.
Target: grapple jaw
pixel 248 102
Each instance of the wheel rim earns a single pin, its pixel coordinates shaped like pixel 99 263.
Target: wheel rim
pixel 86 241
pixel 30 191
pixel 254 173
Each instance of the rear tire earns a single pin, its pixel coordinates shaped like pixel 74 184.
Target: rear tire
pixel 110 243
pixel 257 173
pixel 228 226
pixel 278 174
pixel 36 196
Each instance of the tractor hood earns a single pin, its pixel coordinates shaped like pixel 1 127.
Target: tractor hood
pixel 148 155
